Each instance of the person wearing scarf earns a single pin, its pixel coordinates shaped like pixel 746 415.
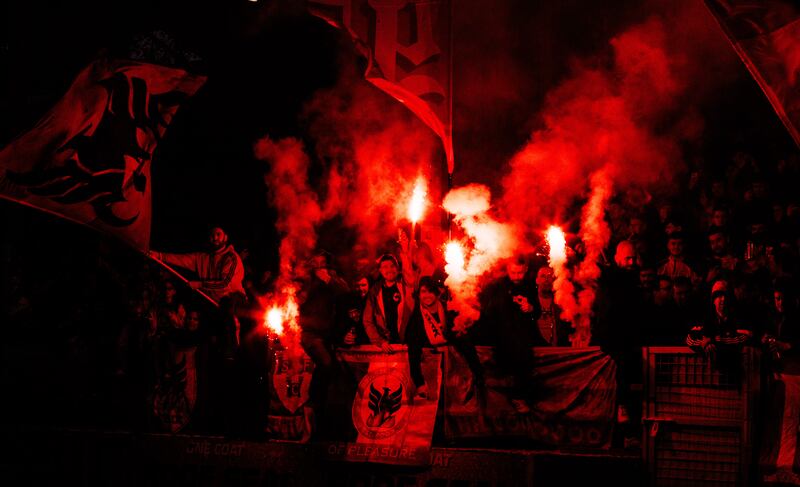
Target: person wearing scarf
pixel 429 327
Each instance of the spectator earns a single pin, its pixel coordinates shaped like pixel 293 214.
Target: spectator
pixel 722 259
pixel 353 312
pixel 620 312
pixel 508 312
pixel 675 265
pixel 431 326
pixel 390 302
pixel 317 324
pixel 220 274
pixel 553 331
pixel 722 328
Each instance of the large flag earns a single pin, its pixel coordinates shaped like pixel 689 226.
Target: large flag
pixel 88 159
pixel 766 35
pixel 575 393
pixel 407 45
pixel 387 422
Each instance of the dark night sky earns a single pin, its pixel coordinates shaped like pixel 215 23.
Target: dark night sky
pixel 265 59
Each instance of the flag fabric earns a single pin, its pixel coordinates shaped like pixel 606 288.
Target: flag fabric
pixel 88 159
pixel 574 392
pixel 389 422
pixel 407 45
pixel 766 36
pixel 289 392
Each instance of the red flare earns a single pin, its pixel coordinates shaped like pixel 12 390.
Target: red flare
pixel 273 320
pixel 558 246
pixel 417 205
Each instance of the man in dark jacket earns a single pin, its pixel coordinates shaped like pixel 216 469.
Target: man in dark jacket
pixel 317 324
pixel 390 303
pixel 508 312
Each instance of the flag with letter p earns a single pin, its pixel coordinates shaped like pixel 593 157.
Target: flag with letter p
pixel 407 46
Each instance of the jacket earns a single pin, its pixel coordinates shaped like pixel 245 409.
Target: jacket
pixel 220 272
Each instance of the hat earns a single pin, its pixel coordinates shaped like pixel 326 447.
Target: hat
pixel 719 287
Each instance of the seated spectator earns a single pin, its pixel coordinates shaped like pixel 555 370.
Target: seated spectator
pixel 722 258
pixel 680 314
pixel 722 328
pixel 675 265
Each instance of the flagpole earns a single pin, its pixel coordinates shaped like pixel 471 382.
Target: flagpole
pixel 450 118
pixel 183 279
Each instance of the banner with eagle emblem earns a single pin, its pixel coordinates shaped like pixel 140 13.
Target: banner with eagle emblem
pixel 88 159
pixel 391 422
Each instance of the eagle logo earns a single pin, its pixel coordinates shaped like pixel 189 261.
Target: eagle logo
pixel 383 405
pixel 380 408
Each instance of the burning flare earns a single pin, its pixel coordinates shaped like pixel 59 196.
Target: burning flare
pixel 563 289
pixel 282 318
pixel 417 205
pixel 558 246
pixel 273 320
pixel 488 242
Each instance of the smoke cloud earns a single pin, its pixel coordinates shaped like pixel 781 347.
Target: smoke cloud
pixel 488 241
pixel 373 150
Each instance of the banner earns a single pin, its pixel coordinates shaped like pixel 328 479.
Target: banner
pixel 407 46
pixel 289 389
pixel 175 394
pixel 389 423
pixel 88 159
pixel 575 393
pixel 766 36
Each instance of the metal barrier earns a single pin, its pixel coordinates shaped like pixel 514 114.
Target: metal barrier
pixel 699 416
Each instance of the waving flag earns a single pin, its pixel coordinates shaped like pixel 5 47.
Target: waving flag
pixel 88 159
pixel 407 45
pixel 766 35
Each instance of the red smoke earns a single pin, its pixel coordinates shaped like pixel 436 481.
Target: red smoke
pixel 299 215
pixel 611 126
pixel 373 150
pixel 489 242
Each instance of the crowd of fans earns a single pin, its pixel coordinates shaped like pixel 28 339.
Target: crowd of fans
pixel 715 269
